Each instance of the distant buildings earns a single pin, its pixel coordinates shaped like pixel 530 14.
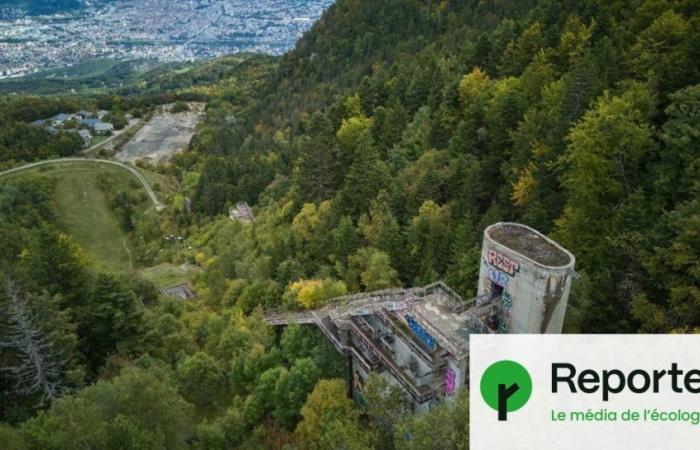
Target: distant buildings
pixel 126 30
pixel 59 119
pixel 86 136
pixel 90 123
pixel 84 122
pixel 102 128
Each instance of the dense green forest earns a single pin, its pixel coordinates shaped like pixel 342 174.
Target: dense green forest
pixel 374 154
pixel 403 131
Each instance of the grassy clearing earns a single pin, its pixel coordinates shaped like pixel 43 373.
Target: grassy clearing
pixel 163 185
pixel 85 212
pixel 166 275
pixel 84 209
pixel 97 140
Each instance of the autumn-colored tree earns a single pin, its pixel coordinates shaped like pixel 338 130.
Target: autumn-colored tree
pixel 444 426
pixel 312 294
pixel 329 417
pixel 603 169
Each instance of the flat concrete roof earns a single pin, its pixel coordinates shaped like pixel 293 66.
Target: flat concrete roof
pixel 455 328
pixel 529 243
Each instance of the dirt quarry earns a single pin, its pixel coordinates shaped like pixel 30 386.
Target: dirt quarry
pixel 163 136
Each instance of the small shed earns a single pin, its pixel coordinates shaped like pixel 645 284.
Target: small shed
pixel 86 136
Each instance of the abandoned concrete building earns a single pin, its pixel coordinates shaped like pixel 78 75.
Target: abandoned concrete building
pixel 241 212
pixel 419 337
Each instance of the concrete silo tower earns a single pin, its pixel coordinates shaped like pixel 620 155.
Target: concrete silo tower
pixel 530 273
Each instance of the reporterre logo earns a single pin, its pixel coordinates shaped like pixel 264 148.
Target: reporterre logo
pixel 506 386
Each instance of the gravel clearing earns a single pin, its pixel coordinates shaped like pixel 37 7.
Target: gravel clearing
pixel 163 136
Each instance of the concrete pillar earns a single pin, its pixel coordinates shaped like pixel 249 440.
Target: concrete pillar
pixel 531 273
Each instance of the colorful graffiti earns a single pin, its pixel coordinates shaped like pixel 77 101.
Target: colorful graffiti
pixel 419 331
pixel 502 262
pixel 396 306
pixel 506 300
pixel 362 311
pixel 500 278
pixel 450 381
pixel 506 305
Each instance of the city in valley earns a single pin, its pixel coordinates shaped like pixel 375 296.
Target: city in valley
pixel 172 31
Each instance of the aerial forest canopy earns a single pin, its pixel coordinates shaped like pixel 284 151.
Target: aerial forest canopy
pixel 374 154
pixel 403 128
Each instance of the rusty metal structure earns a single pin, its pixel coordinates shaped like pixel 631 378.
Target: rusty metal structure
pixel 419 337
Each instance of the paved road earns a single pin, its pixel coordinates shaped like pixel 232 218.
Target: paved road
pixel 131 169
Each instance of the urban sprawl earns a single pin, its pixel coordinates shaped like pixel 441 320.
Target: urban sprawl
pixel 172 31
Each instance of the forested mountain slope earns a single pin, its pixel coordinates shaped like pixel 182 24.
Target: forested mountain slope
pixel 373 155
pixel 437 118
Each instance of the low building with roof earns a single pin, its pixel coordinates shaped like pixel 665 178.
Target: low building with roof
pixel 60 119
pixel 103 128
pixel 86 137
pixel 89 122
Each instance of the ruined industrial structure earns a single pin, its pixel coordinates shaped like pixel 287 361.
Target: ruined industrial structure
pixel 419 337
pixel 242 213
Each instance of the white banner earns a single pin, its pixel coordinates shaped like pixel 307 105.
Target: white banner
pixel 584 392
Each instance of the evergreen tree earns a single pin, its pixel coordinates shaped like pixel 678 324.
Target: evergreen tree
pixel 38 369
